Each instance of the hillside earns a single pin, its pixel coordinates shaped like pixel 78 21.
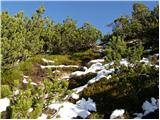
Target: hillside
pixel 58 70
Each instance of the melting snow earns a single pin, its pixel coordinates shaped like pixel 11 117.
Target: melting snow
pixel 97 60
pixel 102 72
pixel 4 103
pixel 148 107
pixel 47 61
pixel 70 110
pixel 59 66
pixel 117 113
pixel 75 96
pixel 92 69
pixel 16 92
pixel 25 81
pixel 87 105
pixel 124 62
pixel 145 60
pixel 81 88
pixel 30 110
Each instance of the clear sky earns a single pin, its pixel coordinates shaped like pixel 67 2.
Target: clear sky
pixel 98 13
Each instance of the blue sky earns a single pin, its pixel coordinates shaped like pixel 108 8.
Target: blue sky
pixel 98 13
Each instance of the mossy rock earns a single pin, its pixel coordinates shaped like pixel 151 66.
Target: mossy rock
pixel 76 81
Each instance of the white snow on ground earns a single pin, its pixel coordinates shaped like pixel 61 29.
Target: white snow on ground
pixel 75 96
pixel 109 76
pixel 157 54
pixel 93 68
pixel 59 66
pixel 4 103
pixel 56 71
pixel 117 113
pixel 124 62
pixel 16 92
pixel 108 64
pixel 42 117
pixel 97 60
pixel 101 74
pixel 69 110
pixel 145 60
pixel 148 107
pixel 87 105
pixel 25 81
pixel 47 61
pixel 30 110
pixel 79 89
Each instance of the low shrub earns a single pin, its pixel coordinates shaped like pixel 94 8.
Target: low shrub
pixel 126 90
pixel 8 76
pixel 26 67
pixel 35 97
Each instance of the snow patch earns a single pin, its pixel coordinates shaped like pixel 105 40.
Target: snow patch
pixel 148 107
pixel 59 66
pixel 87 105
pixel 75 96
pixel 117 113
pixel 124 62
pixel 81 88
pixel 97 60
pixel 4 103
pixel 30 110
pixel 47 61
pixel 16 92
pixel 145 60
pixel 25 81
pixel 69 110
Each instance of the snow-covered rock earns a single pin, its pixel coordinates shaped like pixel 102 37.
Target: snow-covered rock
pixel 4 103
pixel 117 113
